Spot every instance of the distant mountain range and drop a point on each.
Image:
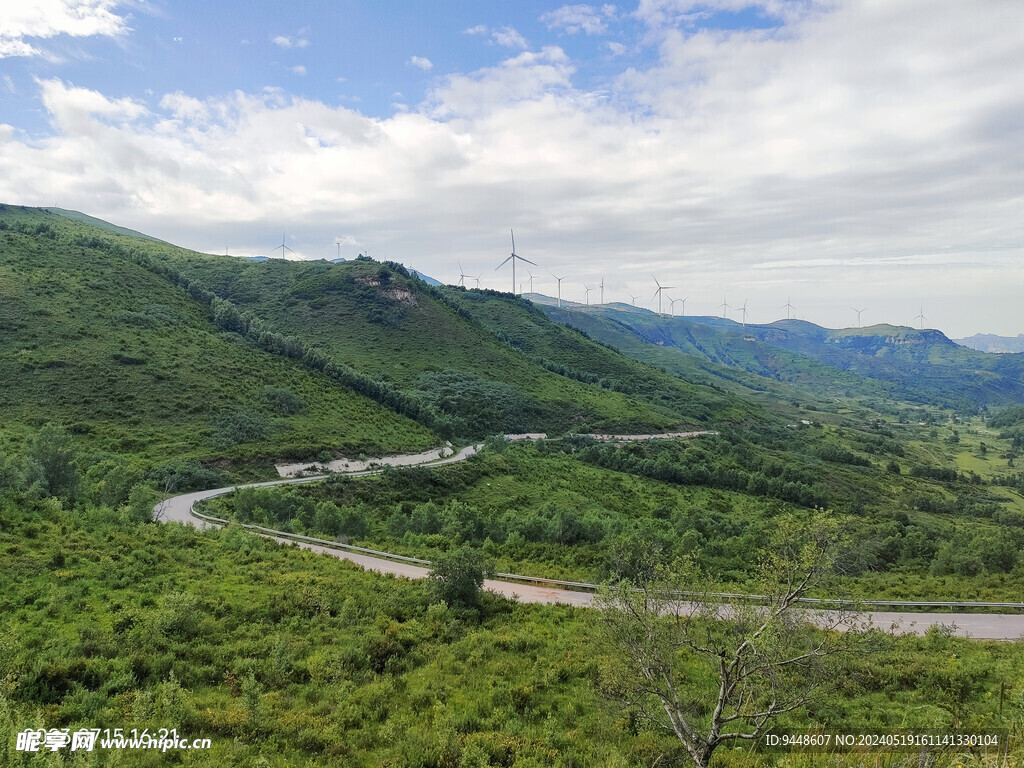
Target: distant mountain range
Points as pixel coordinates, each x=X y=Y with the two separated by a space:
x=880 y=360
x=989 y=342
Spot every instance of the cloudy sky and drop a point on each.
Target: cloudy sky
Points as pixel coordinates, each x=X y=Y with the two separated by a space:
x=836 y=153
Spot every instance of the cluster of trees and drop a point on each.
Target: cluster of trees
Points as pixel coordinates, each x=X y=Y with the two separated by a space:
x=475 y=405
x=665 y=462
x=48 y=466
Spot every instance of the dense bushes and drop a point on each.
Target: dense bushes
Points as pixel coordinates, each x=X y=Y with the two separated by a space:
x=475 y=405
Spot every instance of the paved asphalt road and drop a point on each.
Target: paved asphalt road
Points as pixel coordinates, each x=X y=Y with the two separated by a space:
x=981 y=626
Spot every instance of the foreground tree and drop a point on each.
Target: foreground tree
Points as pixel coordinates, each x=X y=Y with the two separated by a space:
x=457 y=577
x=711 y=669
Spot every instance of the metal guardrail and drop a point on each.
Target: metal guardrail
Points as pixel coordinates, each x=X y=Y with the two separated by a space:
x=586 y=586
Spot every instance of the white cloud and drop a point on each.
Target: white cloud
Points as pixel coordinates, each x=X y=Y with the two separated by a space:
x=669 y=13
x=299 y=70
x=286 y=41
x=579 y=18
x=421 y=62
x=868 y=151
x=42 y=19
x=509 y=37
x=615 y=49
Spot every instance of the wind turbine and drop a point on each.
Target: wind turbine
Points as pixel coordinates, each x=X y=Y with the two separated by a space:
x=462 y=276
x=743 y=309
x=658 y=292
x=477 y=281
x=631 y=296
x=602 y=289
x=787 y=306
x=282 y=248
x=513 y=258
x=672 y=303
x=531 y=280
x=559 y=279
x=858 y=311
x=588 y=289
x=921 y=317
x=725 y=308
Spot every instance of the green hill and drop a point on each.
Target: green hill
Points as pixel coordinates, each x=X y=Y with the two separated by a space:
x=142 y=347
x=878 y=361
x=486 y=358
x=133 y=364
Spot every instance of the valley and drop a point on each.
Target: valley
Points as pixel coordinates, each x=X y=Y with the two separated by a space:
x=135 y=372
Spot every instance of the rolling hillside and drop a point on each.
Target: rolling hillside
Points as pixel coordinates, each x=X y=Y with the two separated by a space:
x=133 y=364
x=458 y=349
x=881 y=360
x=259 y=359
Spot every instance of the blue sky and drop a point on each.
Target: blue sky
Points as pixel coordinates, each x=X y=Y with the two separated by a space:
x=839 y=152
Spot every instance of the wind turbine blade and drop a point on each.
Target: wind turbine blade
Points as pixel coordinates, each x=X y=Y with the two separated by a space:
x=506 y=261
x=655 y=280
x=513 y=240
x=526 y=260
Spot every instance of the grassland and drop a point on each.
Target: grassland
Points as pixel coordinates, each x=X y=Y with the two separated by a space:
x=593 y=513
x=131 y=364
x=148 y=353
x=282 y=657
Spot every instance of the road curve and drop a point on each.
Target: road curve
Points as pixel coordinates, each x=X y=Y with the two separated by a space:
x=980 y=626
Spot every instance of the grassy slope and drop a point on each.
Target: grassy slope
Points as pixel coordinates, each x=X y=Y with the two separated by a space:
x=133 y=364
x=875 y=361
x=528 y=329
x=402 y=330
x=285 y=658
x=700 y=352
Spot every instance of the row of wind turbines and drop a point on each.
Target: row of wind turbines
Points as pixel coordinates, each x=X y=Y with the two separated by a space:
x=659 y=292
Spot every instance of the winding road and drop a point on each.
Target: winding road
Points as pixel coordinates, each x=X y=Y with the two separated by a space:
x=980 y=626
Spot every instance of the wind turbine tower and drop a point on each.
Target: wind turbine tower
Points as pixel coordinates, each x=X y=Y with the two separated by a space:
x=858 y=311
x=559 y=281
x=602 y=290
x=513 y=258
x=282 y=247
x=658 y=292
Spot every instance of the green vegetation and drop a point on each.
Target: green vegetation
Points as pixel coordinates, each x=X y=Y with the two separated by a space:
x=880 y=360
x=134 y=369
x=580 y=510
x=381 y=321
x=131 y=364
x=282 y=657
